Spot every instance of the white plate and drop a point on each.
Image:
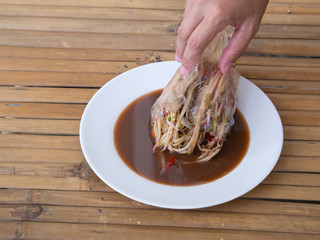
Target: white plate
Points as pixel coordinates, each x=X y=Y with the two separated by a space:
x=96 y=137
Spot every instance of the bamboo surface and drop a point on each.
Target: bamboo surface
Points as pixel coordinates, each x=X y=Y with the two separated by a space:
x=55 y=55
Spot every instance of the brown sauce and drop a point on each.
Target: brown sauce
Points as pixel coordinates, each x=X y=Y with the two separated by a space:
x=133 y=141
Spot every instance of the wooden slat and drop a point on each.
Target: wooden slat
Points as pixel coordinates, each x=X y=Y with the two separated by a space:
x=38 y=169
x=55 y=95
x=298 y=164
x=293 y=179
x=301 y=148
x=283 y=73
x=153 y=4
x=53 y=183
x=89 y=54
x=297 y=224
x=16 y=196
x=298 y=7
x=291 y=19
x=54 y=79
x=288 y=32
x=285 y=192
x=40 y=155
x=68 y=127
x=299 y=87
x=274 y=7
x=65 y=58
x=47 y=65
x=113 y=199
x=62 y=65
x=107 y=26
x=28 y=230
x=305 y=118
x=39 y=141
x=38 y=230
x=139 y=56
x=301 y=133
x=139 y=27
x=275 y=61
x=151 y=217
x=8 y=230
x=145 y=42
x=89 y=12
x=88 y=40
x=41 y=110
x=284 y=47
x=295 y=101
x=137 y=14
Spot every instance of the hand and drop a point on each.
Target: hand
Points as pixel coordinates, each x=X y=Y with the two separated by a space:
x=204 y=19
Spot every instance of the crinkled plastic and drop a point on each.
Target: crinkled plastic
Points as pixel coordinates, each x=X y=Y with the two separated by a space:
x=197 y=110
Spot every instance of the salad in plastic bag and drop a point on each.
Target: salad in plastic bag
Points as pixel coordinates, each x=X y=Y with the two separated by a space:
x=197 y=111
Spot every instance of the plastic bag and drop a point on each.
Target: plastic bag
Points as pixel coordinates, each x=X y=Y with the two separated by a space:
x=197 y=110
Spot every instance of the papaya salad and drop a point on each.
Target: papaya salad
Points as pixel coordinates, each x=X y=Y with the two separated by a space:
x=197 y=111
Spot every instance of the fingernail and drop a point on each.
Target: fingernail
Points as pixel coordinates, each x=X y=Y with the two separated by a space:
x=178 y=59
x=184 y=71
x=227 y=67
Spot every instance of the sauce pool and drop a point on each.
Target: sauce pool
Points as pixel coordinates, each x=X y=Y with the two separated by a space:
x=133 y=142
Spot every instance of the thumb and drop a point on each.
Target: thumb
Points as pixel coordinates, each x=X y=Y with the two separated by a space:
x=238 y=43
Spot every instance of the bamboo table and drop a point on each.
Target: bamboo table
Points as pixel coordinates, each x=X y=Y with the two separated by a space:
x=55 y=54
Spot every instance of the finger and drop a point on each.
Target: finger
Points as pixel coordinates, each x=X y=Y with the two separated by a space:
x=186 y=28
x=189 y=6
x=238 y=43
x=198 y=41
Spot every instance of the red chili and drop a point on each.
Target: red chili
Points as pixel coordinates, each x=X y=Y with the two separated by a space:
x=209 y=137
x=170 y=163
